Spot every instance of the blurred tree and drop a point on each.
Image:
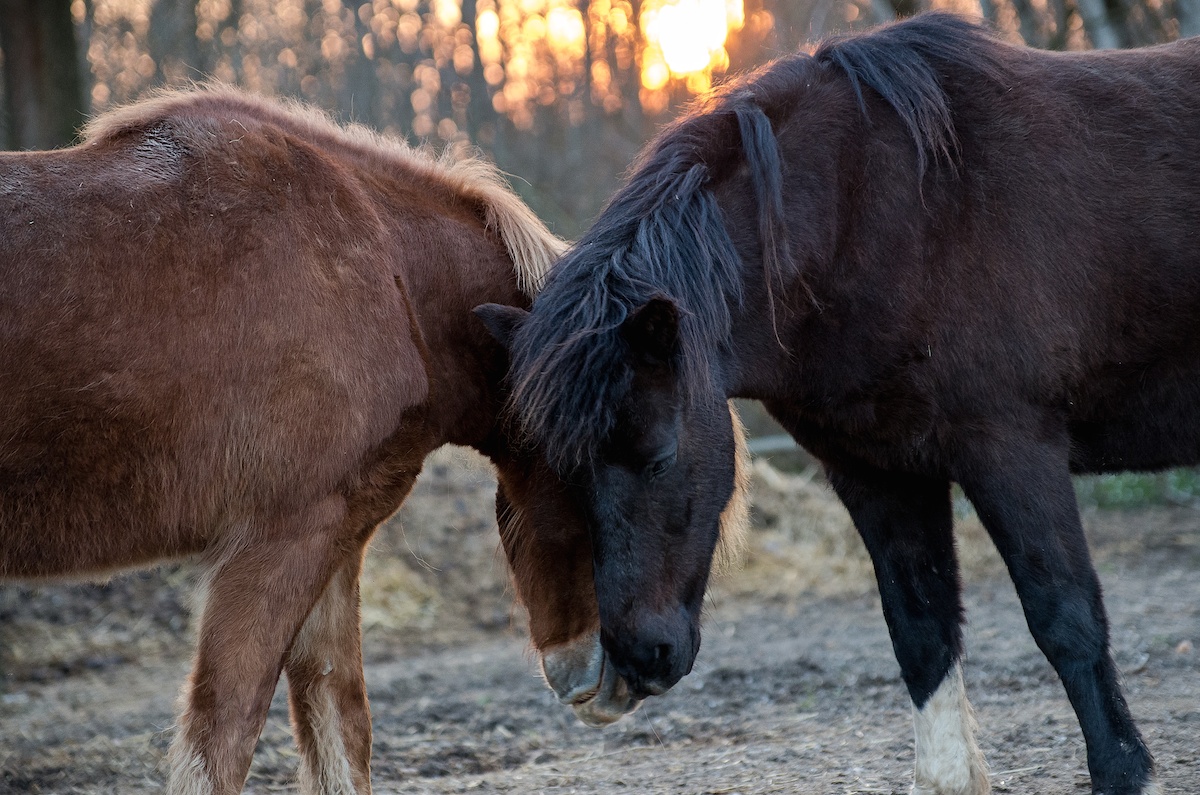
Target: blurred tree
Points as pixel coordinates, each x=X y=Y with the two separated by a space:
x=172 y=42
x=561 y=92
x=43 y=88
x=1187 y=12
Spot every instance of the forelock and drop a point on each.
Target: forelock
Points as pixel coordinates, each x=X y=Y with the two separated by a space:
x=663 y=235
x=569 y=359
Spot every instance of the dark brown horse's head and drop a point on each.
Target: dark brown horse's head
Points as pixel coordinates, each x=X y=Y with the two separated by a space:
x=621 y=372
x=612 y=554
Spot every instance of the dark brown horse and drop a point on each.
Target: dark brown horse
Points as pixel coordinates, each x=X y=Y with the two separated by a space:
x=233 y=330
x=936 y=258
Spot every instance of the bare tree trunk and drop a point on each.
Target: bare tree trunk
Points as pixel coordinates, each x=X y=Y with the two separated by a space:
x=172 y=42
x=906 y=8
x=1062 y=25
x=988 y=9
x=479 y=106
x=360 y=94
x=43 y=89
x=1100 y=29
x=883 y=10
x=1030 y=21
x=1188 y=12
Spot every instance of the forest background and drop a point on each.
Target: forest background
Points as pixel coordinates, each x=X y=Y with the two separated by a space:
x=560 y=93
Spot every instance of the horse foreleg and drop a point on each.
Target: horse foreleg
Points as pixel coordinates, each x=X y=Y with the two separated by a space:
x=906 y=524
x=259 y=594
x=1024 y=497
x=330 y=716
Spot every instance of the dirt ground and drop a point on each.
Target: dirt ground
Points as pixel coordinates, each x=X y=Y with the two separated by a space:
x=795 y=689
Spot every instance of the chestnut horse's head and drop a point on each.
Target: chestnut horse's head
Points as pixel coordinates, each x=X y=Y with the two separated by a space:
x=612 y=555
x=549 y=552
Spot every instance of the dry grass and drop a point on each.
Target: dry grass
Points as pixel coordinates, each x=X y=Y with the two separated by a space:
x=436 y=566
x=804 y=542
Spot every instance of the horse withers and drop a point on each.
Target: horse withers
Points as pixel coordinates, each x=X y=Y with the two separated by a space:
x=232 y=330
x=935 y=258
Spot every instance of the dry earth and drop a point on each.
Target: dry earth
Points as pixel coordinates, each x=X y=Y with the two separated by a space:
x=794 y=691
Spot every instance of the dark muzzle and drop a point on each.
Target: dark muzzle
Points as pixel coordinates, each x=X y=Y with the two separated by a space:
x=652 y=651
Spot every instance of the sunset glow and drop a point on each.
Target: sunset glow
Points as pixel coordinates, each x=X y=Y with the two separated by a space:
x=426 y=57
x=686 y=39
x=688 y=32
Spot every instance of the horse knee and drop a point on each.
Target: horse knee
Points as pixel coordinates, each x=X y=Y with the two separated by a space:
x=331 y=722
x=1070 y=629
x=211 y=751
x=187 y=773
x=328 y=768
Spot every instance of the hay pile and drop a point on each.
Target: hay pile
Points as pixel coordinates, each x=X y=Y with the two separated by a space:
x=804 y=542
x=436 y=568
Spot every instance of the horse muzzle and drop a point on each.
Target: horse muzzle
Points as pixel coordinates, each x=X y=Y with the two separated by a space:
x=584 y=678
x=654 y=653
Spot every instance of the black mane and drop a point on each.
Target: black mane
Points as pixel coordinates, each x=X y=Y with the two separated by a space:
x=904 y=64
x=664 y=234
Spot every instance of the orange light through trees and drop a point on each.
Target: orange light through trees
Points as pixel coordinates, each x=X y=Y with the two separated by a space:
x=686 y=39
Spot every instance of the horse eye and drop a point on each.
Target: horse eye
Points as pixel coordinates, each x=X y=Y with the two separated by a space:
x=661 y=465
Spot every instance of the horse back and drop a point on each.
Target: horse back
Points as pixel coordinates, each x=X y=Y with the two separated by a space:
x=200 y=323
x=1086 y=191
x=1052 y=264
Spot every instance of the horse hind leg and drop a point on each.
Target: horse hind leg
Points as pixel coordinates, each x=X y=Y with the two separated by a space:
x=259 y=595
x=331 y=719
x=906 y=524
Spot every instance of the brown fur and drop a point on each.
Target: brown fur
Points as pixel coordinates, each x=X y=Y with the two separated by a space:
x=232 y=329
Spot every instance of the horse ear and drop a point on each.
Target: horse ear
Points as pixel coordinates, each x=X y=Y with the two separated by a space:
x=653 y=329
x=502 y=321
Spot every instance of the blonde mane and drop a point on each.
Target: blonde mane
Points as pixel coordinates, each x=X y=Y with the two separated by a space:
x=532 y=247
x=460 y=170
x=735 y=518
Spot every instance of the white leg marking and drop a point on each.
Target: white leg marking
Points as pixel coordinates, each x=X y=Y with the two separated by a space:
x=329 y=773
x=948 y=760
x=187 y=774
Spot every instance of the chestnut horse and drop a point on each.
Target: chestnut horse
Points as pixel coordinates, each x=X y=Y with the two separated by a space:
x=234 y=330
x=935 y=258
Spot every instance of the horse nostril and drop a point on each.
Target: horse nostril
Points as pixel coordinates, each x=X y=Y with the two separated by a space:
x=662 y=652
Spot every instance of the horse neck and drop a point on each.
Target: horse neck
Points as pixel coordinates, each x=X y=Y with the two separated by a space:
x=779 y=305
x=445 y=264
x=759 y=351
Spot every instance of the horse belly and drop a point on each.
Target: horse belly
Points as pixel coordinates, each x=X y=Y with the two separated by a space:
x=1150 y=422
